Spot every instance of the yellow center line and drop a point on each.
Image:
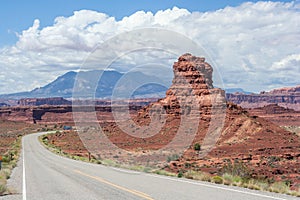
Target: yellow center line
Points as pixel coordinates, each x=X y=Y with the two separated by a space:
x=142 y=193
x=135 y=192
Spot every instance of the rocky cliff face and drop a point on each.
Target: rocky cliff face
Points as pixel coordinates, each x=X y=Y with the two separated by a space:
x=285 y=97
x=286 y=90
x=43 y=101
x=58 y=110
x=192 y=80
x=191 y=92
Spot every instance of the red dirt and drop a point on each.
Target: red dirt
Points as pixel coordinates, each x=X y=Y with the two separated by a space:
x=10 y=131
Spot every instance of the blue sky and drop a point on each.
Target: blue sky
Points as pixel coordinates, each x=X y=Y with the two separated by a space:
x=255 y=45
x=18 y=15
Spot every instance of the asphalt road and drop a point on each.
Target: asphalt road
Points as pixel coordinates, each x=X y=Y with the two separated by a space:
x=48 y=176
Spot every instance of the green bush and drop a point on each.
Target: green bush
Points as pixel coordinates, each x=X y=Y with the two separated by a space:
x=217 y=179
x=197 y=147
x=6 y=159
x=180 y=174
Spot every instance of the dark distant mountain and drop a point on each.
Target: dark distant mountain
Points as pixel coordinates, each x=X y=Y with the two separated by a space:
x=111 y=82
x=236 y=90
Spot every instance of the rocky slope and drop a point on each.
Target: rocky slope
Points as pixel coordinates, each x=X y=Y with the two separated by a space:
x=285 y=97
x=277 y=114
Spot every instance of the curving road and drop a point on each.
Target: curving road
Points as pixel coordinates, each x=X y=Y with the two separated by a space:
x=48 y=176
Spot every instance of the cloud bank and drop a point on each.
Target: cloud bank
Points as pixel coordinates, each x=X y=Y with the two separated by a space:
x=256 y=46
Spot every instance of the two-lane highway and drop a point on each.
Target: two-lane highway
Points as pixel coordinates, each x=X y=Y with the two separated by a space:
x=48 y=176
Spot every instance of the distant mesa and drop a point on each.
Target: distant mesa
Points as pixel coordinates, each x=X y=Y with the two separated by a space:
x=43 y=101
x=288 y=97
x=236 y=90
x=285 y=90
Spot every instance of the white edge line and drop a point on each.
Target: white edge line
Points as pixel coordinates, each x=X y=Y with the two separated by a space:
x=24 y=175
x=218 y=187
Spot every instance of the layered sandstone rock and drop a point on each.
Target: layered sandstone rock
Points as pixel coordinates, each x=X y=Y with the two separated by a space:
x=285 y=97
x=191 y=90
x=43 y=101
x=50 y=114
x=192 y=79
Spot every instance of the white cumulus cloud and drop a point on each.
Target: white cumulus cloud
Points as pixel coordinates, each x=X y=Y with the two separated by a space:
x=255 y=46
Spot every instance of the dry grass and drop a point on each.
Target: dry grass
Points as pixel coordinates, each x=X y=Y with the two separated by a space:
x=196 y=175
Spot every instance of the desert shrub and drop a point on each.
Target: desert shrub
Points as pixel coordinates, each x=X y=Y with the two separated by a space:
x=229 y=179
x=173 y=157
x=108 y=162
x=136 y=168
x=163 y=172
x=6 y=159
x=294 y=193
x=263 y=185
x=45 y=139
x=237 y=168
x=279 y=187
x=253 y=184
x=273 y=159
x=187 y=165
x=98 y=162
x=197 y=175
x=217 y=179
x=197 y=147
x=2 y=189
x=180 y=174
x=6 y=173
x=147 y=169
